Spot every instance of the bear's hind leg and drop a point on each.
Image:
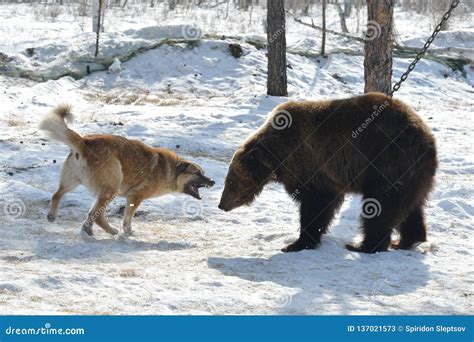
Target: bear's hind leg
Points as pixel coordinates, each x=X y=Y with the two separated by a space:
x=380 y=214
x=317 y=210
x=412 y=229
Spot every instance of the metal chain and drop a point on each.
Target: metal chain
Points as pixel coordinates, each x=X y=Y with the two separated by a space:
x=420 y=54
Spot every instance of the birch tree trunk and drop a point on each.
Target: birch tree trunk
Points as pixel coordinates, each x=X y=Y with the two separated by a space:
x=276 y=78
x=378 y=46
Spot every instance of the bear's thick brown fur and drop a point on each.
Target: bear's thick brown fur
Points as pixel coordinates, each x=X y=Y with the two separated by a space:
x=320 y=150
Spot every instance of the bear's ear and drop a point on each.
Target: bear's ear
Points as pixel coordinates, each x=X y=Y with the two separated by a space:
x=253 y=161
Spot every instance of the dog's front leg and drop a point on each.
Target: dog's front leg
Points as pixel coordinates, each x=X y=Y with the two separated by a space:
x=132 y=204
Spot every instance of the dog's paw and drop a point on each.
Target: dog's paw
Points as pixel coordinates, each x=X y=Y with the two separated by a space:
x=112 y=231
x=51 y=217
x=126 y=239
x=86 y=236
x=87 y=229
x=127 y=231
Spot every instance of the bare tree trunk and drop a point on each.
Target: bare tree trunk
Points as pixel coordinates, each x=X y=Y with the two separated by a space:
x=420 y=8
x=437 y=9
x=342 y=18
x=347 y=8
x=97 y=16
x=358 y=6
x=172 y=5
x=250 y=14
x=276 y=78
x=378 y=46
x=244 y=4
x=323 y=39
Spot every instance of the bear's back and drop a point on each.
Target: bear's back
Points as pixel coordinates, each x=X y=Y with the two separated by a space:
x=347 y=138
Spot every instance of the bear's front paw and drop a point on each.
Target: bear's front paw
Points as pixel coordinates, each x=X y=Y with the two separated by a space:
x=298 y=246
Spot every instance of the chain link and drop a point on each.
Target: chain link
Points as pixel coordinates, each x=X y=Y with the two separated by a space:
x=420 y=54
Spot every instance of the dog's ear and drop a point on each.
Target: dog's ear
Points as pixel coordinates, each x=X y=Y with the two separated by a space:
x=182 y=166
x=254 y=161
x=188 y=167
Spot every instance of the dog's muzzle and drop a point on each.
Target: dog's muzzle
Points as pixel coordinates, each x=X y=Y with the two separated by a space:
x=192 y=188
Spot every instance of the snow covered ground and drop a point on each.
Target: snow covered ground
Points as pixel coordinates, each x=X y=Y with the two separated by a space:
x=188 y=257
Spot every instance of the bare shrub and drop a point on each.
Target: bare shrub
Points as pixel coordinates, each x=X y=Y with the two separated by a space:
x=48 y=12
x=53 y=12
x=83 y=10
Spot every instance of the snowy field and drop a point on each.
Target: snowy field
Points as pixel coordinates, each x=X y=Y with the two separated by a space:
x=188 y=257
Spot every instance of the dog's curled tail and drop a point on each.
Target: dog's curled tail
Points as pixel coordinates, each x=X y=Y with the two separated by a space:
x=55 y=125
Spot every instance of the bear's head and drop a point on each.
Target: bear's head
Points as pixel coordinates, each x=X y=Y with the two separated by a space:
x=248 y=173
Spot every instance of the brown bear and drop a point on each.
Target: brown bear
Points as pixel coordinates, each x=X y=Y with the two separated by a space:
x=321 y=150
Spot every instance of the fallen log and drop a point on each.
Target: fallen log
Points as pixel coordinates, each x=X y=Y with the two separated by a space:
x=403 y=51
x=87 y=65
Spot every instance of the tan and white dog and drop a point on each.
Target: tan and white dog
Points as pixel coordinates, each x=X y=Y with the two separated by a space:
x=110 y=166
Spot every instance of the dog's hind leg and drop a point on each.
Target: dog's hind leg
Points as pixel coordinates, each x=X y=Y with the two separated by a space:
x=67 y=183
x=101 y=219
x=97 y=214
x=106 y=182
x=132 y=205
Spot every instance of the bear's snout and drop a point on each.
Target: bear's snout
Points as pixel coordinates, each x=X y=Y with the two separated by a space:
x=221 y=206
x=226 y=202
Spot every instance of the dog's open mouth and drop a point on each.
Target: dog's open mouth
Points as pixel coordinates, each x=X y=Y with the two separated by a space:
x=193 y=188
